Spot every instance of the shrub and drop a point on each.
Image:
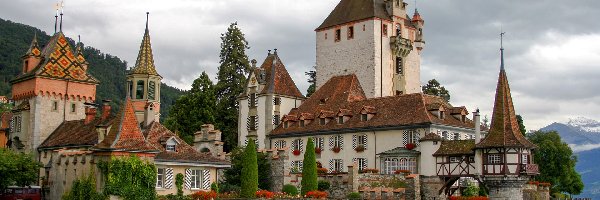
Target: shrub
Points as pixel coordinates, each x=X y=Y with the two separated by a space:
x=249 y=171
x=309 y=169
x=264 y=194
x=316 y=194
x=214 y=187
x=229 y=188
x=204 y=195
x=324 y=185
x=354 y=195
x=129 y=178
x=179 y=184
x=322 y=170
x=84 y=188
x=290 y=189
x=228 y=195
x=470 y=191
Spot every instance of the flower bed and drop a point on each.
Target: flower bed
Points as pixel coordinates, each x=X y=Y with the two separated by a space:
x=316 y=194
x=204 y=195
x=402 y=171
x=264 y=194
x=468 y=198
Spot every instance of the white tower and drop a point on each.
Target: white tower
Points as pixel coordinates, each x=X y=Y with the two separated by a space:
x=377 y=41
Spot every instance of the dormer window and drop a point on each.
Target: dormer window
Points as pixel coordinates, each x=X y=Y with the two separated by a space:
x=364 y=117
x=340 y=119
x=441 y=114
x=322 y=121
x=171 y=144
x=170 y=147
x=286 y=124
x=302 y=123
x=463 y=118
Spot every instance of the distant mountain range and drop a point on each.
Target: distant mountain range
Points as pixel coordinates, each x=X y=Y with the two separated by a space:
x=583 y=135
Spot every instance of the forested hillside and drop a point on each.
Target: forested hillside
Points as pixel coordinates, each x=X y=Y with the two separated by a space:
x=110 y=70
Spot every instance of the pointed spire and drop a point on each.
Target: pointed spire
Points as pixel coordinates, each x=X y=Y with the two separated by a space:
x=145 y=60
x=504 y=128
x=502 y=51
x=34 y=49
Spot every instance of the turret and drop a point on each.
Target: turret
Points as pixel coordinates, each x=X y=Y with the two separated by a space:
x=418 y=23
x=33 y=56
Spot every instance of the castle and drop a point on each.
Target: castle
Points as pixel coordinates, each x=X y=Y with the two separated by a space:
x=368 y=109
x=56 y=118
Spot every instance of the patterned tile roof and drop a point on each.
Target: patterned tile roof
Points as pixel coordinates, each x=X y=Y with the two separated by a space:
x=34 y=48
x=277 y=78
x=344 y=95
x=157 y=135
x=145 y=60
x=354 y=10
x=126 y=134
x=59 y=62
x=456 y=147
x=504 y=129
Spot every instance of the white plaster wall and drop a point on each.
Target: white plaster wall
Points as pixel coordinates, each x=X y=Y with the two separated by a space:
x=45 y=120
x=181 y=170
x=243 y=116
x=262 y=117
x=427 y=163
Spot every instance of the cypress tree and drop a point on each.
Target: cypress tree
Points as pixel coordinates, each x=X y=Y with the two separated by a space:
x=249 y=171
x=309 y=169
x=233 y=70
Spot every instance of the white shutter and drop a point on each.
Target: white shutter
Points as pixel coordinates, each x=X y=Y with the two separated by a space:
x=365 y=141
x=206 y=179
x=168 y=178
x=354 y=141
x=187 y=179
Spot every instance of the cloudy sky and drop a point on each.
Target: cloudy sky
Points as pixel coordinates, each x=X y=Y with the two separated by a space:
x=552 y=47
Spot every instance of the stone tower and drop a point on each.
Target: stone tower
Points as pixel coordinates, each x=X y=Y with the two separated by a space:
x=270 y=93
x=377 y=41
x=143 y=83
x=507 y=162
x=53 y=86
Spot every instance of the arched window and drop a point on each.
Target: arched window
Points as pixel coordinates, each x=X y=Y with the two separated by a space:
x=399 y=65
x=412 y=165
x=152 y=90
x=403 y=164
x=139 y=93
x=130 y=89
x=390 y=165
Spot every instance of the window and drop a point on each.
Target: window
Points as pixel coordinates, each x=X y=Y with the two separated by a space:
x=364 y=117
x=54 y=105
x=160 y=177
x=252 y=123
x=139 y=92
x=364 y=27
x=319 y=143
x=252 y=103
x=296 y=166
x=280 y=144
x=277 y=101
x=286 y=124
x=322 y=121
x=494 y=159
x=361 y=163
x=399 y=65
x=340 y=119
x=398 y=30
x=410 y=136
x=130 y=89
x=336 y=141
x=336 y=165
x=73 y=107
x=455 y=159
x=195 y=179
x=350 y=32
x=338 y=33
x=472 y=159
x=18 y=122
x=301 y=123
x=525 y=159
x=170 y=147
x=276 y=120
x=362 y=140
x=297 y=144
x=152 y=90
x=384 y=30
x=390 y=165
x=456 y=136
x=325 y=35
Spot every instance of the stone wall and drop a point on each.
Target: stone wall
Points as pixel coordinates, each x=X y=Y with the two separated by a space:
x=536 y=192
x=430 y=187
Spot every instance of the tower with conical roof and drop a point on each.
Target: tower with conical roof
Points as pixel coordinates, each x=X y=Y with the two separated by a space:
x=377 y=41
x=143 y=83
x=52 y=87
x=507 y=162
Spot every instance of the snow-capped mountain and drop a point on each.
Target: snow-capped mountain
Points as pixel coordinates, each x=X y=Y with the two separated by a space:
x=577 y=131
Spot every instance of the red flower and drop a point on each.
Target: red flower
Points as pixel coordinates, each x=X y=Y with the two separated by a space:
x=264 y=194
x=318 y=150
x=322 y=170
x=204 y=195
x=360 y=148
x=410 y=146
x=296 y=152
x=336 y=149
x=316 y=194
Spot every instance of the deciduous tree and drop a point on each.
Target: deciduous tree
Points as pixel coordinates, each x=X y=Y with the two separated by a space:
x=17 y=169
x=312 y=79
x=434 y=87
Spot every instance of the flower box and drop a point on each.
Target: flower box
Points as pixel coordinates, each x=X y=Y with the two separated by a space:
x=322 y=170
x=336 y=149
x=296 y=152
x=318 y=150
x=410 y=146
x=360 y=148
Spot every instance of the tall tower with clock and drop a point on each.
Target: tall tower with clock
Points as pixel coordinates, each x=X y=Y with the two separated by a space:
x=143 y=83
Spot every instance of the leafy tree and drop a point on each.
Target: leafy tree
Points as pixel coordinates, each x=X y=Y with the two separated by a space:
x=249 y=176
x=433 y=87
x=312 y=79
x=179 y=184
x=84 y=189
x=17 y=169
x=470 y=191
x=521 y=125
x=309 y=169
x=556 y=163
x=231 y=78
x=129 y=177
x=5 y=107
x=233 y=175
x=192 y=110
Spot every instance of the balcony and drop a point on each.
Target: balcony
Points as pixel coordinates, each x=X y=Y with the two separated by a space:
x=530 y=169
x=401 y=47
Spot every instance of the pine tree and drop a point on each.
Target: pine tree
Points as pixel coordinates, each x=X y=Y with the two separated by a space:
x=193 y=109
x=309 y=169
x=249 y=176
x=231 y=77
x=434 y=87
x=312 y=79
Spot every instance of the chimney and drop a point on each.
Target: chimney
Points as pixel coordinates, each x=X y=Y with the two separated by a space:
x=90 y=114
x=477 y=126
x=149 y=115
x=105 y=109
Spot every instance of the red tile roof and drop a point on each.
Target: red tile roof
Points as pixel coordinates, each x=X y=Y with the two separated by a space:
x=504 y=128
x=344 y=93
x=157 y=135
x=75 y=133
x=126 y=134
x=456 y=147
x=277 y=79
x=354 y=10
